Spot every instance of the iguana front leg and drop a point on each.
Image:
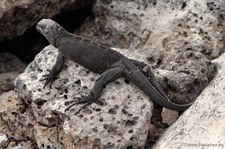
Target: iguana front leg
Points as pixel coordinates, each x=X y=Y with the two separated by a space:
x=105 y=78
x=57 y=68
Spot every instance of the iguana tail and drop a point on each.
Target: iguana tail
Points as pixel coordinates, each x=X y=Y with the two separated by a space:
x=151 y=87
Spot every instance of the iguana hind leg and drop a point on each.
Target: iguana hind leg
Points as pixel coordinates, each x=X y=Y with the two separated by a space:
x=105 y=78
x=146 y=70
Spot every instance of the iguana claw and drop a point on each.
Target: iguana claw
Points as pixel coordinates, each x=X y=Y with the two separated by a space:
x=86 y=100
x=48 y=80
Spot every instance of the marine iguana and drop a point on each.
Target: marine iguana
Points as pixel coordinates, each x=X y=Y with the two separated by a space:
x=102 y=60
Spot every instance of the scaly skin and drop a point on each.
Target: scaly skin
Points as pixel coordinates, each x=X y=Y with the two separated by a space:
x=103 y=60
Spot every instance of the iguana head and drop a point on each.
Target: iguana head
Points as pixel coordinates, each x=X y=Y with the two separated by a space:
x=50 y=29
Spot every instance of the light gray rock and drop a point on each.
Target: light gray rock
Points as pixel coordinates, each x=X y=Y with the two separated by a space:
x=3 y=140
x=159 y=25
x=21 y=130
x=169 y=116
x=47 y=137
x=180 y=37
x=7 y=81
x=21 y=145
x=122 y=121
x=202 y=125
x=17 y=16
x=17 y=119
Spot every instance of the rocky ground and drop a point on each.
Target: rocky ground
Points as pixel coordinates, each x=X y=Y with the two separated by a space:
x=182 y=40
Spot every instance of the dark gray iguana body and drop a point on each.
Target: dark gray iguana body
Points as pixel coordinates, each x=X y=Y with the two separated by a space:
x=103 y=60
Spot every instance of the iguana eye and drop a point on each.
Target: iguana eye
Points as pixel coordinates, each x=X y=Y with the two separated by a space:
x=59 y=28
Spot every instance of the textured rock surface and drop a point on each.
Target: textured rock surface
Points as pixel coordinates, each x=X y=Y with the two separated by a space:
x=3 y=140
x=7 y=81
x=160 y=25
x=19 y=128
x=122 y=121
x=169 y=116
x=177 y=36
x=9 y=62
x=202 y=125
x=16 y=120
x=17 y=16
x=21 y=145
x=10 y=68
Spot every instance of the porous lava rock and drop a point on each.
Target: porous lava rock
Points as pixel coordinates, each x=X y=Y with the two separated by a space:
x=122 y=121
x=202 y=125
x=180 y=37
x=17 y=16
